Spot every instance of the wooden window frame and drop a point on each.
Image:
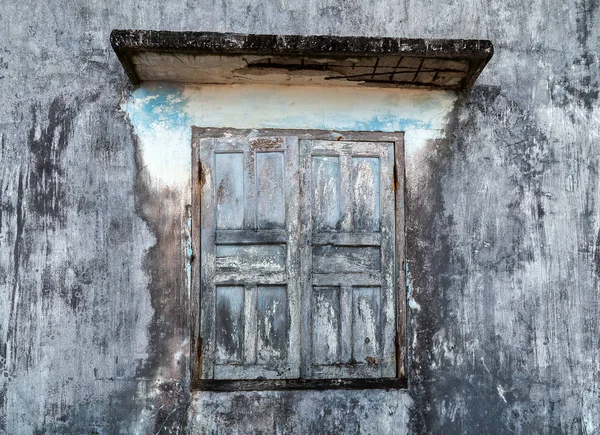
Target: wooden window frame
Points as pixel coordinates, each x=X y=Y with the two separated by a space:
x=397 y=382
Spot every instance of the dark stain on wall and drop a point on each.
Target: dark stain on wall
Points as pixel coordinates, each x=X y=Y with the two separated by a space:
x=428 y=256
x=465 y=250
x=585 y=19
x=17 y=260
x=164 y=263
x=580 y=87
x=503 y=236
x=579 y=82
x=47 y=141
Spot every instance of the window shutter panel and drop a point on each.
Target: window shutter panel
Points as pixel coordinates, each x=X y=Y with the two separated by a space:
x=250 y=301
x=348 y=259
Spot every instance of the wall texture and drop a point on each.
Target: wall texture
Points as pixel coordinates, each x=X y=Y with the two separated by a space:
x=503 y=229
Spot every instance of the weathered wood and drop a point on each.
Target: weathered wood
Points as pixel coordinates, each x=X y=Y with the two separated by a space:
x=294 y=298
x=305 y=251
x=270 y=195
x=251 y=237
x=326 y=325
x=249 y=176
x=346 y=324
x=229 y=324
x=299 y=384
x=399 y=177
x=257 y=181
x=207 y=289
x=249 y=259
x=365 y=186
x=347 y=239
x=229 y=190
x=346 y=279
x=194 y=264
x=338 y=259
x=235 y=278
x=362 y=239
x=250 y=323
x=326 y=193
x=389 y=285
x=273 y=325
x=252 y=371
x=366 y=325
x=346 y=194
x=349 y=371
x=298 y=134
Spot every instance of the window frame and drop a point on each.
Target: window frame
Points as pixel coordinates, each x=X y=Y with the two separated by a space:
x=400 y=380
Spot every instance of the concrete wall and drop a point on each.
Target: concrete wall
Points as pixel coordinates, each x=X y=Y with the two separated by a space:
x=503 y=229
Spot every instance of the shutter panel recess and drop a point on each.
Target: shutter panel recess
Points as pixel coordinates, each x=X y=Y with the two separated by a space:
x=348 y=259
x=250 y=301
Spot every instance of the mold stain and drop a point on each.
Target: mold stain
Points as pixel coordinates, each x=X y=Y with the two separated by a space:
x=48 y=138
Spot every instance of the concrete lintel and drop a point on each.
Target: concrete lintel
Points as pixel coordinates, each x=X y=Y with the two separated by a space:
x=230 y=58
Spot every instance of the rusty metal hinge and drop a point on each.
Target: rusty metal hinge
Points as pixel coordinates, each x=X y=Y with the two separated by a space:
x=199 y=348
x=201 y=179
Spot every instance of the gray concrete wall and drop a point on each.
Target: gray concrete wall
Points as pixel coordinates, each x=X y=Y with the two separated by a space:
x=503 y=231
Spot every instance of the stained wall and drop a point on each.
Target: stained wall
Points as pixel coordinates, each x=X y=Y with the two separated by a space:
x=502 y=221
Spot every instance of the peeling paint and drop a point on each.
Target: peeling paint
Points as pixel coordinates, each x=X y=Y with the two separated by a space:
x=502 y=221
x=164 y=129
x=162 y=116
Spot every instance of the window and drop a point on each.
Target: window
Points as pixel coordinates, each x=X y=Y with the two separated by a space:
x=300 y=278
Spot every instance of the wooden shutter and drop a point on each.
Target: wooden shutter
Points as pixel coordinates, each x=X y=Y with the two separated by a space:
x=249 y=290
x=347 y=251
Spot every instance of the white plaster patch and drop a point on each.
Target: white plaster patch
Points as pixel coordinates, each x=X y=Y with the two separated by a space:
x=364 y=109
x=166 y=154
x=162 y=115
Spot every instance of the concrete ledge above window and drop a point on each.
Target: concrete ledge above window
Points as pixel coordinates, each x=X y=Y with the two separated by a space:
x=230 y=58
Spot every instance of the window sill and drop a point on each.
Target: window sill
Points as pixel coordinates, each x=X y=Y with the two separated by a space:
x=298 y=384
